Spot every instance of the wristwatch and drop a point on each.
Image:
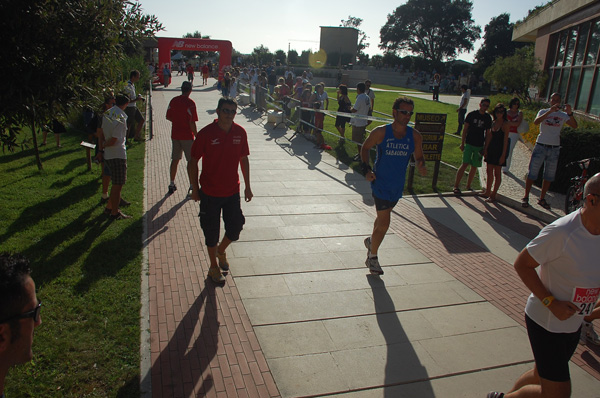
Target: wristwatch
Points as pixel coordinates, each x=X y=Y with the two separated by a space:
x=547 y=301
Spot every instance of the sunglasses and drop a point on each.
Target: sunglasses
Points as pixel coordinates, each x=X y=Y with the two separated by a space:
x=407 y=113
x=35 y=314
x=229 y=111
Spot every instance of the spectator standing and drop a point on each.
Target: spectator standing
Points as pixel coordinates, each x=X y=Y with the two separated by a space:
x=495 y=152
x=190 y=73
x=135 y=120
x=344 y=105
x=514 y=117
x=462 y=108
x=435 y=85
x=183 y=117
x=322 y=96
x=477 y=125
x=272 y=80
x=205 y=74
x=223 y=148
x=114 y=127
x=371 y=94
x=361 y=107
x=547 y=146
x=166 y=75
x=19 y=313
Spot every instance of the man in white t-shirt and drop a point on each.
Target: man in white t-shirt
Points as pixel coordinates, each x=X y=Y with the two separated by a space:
x=462 y=107
x=371 y=95
x=114 y=128
x=547 y=146
x=361 y=107
x=560 y=267
x=135 y=120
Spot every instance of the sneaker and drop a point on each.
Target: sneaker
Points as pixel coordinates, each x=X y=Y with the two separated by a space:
x=325 y=147
x=495 y=394
x=368 y=245
x=216 y=275
x=124 y=203
x=589 y=334
x=103 y=200
x=223 y=263
x=172 y=188
x=373 y=264
x=356 y=157
x=189 y=194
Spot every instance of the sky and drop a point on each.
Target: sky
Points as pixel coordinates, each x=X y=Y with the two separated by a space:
x=279 y=25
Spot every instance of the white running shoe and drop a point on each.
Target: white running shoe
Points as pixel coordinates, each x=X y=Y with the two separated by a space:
x=373 y=264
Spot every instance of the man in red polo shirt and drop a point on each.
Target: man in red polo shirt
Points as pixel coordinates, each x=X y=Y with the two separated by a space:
x=183 y=116
x=223 y=147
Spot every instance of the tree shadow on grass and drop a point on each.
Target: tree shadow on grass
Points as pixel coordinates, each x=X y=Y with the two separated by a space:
x=51 y=256
x=32 y=215
x=106 y=259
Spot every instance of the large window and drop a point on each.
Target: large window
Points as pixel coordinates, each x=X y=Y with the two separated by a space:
x=573 y=71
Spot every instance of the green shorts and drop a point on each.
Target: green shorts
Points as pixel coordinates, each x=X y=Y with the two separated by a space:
x=473 y=155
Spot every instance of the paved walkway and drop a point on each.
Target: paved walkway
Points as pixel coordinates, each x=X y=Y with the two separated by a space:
x=301 y=316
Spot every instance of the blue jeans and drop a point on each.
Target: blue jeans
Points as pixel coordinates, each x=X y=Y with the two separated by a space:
x=548 y=156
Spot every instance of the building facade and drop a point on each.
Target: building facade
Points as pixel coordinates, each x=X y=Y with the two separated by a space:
x=566 y=34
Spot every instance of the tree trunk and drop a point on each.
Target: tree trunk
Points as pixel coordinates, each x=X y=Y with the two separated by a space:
x=35 y=145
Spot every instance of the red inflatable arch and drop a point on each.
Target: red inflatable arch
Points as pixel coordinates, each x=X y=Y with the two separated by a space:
x=166 y=44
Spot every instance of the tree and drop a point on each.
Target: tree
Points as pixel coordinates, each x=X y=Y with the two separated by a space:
x=497 y=42
x=195 y=35
x=438 y=30
x=304 y=57
x=354 y=22
x=66 y=53
x=280 y=55
x=517 y=72
x=292 y=57
x=261 y=55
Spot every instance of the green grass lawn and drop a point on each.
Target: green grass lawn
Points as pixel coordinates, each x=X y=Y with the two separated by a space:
x=86 y=268
x=384 y=100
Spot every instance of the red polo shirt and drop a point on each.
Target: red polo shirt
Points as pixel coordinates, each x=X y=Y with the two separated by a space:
x=221 y=152
x=182 y=111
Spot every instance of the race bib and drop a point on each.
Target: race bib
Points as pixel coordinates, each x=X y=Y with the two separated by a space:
x=585 y=298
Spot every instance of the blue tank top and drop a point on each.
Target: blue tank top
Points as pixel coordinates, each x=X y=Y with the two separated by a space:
x=391 y=163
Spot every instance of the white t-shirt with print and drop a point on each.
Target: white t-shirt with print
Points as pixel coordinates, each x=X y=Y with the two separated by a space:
x=551 y=126
x=362 y=106
x=569 y=268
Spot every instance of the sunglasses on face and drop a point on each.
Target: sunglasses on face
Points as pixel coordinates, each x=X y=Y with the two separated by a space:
x=229 y=111
x=35 y=314
x=406 y=113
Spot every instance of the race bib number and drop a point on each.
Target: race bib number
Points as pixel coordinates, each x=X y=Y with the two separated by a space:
x=585 y=298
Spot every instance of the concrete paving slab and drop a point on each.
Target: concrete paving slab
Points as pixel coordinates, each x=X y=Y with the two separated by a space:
x=285 y=309
x=308 y=375
x=470 y=385
x=263 y=286
x=286 y=247
x=256 y=222
x=415 y=274
x=327 y=219
x=295 y=339
x=285 y=263
x=492 y=236
x=330 y=230
x=397 y=298
x=405 y=255
x=349 y=243
x=479 y=350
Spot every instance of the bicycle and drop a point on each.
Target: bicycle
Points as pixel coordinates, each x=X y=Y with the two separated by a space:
x=574 y=197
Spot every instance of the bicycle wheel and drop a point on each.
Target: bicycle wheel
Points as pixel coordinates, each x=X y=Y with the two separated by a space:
x=571 y=200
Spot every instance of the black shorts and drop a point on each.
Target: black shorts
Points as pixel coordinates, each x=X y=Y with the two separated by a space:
x=552 y=351
x=382 y=204
x=210 y=217
x=340 y=121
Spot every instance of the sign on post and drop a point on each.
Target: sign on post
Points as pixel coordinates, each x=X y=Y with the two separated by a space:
x=432 y=127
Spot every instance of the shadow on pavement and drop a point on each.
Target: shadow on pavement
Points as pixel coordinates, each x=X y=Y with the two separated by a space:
x=402 y=364
x=189 y=351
